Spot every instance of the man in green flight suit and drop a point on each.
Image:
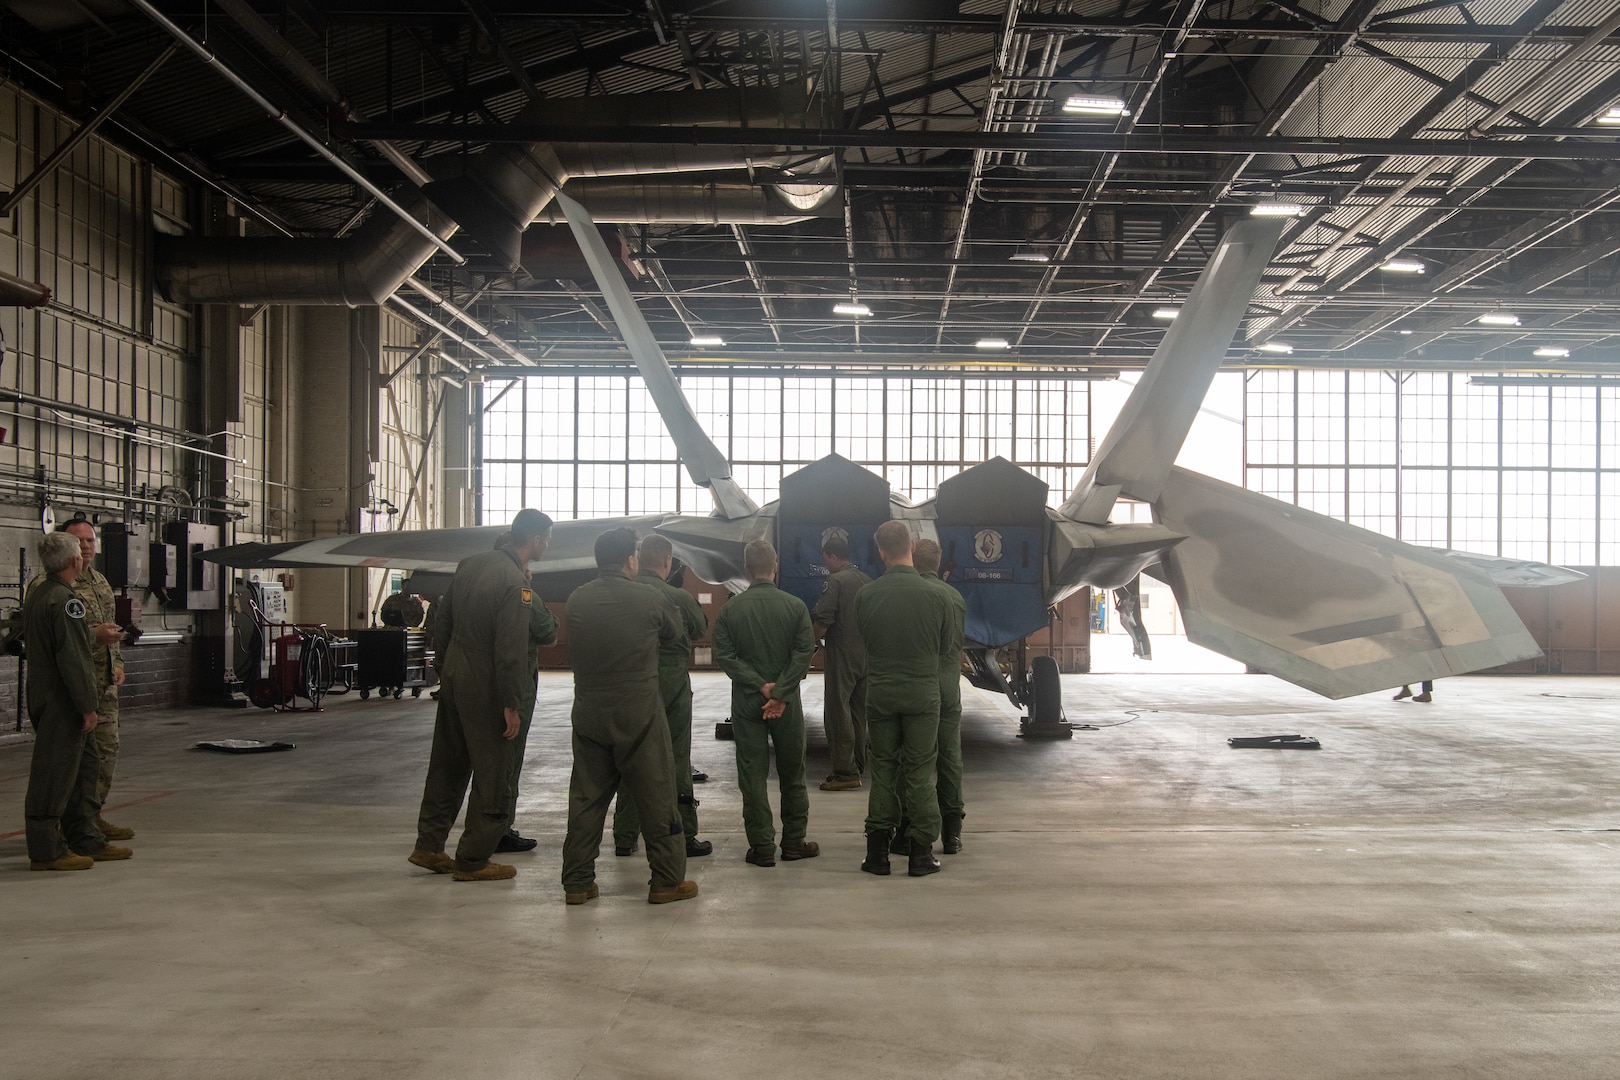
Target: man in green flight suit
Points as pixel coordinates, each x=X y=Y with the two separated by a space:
x=844 y=698
x=615 y=627
x=101 y=616
x=656 y=558
x=905 y=624
x=59 y=809
x=542 y=631
x=486 y=684
x=948 y=786
x=763 y=641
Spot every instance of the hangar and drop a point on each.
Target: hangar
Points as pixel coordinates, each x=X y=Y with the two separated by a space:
x=278 y=272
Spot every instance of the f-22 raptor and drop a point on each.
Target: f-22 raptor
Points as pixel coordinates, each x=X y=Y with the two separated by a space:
x=1328 y=606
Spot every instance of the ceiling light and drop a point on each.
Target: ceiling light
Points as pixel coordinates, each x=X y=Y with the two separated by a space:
x=1404 y=266
x=1498 y=318
x=1029 y=257
x=1610 y=117
x=1552 y=352
x=1276 y=209
x=1276 y=347
x=709 y=341
x=851 y=307
x=992 y=343
x=1165 y=313
x=1405 y=333
x=1095 y=106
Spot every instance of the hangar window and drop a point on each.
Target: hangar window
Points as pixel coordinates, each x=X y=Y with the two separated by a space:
x=1436 y=458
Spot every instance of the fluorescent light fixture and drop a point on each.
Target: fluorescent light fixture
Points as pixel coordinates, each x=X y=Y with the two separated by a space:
x=1090 y=105
x=1498 y=318
x=1404 y=266
x=1029 y=257
x=1552 y=352
x=1276 y=347
x=1276 y=209
x=708 y=341
x=1406 y=333
x=992 y=343
x=1610 y=117
x=1165 y=313
x=851 y=307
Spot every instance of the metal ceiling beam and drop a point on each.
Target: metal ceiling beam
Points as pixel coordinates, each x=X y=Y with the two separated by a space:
x=1605 y=147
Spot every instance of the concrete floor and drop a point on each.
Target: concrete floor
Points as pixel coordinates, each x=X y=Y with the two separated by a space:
x=1435 y=893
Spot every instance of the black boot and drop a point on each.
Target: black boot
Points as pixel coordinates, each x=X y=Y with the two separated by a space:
x=923 y=862
x=877 y=852
x=950 y=834
x=901 y=845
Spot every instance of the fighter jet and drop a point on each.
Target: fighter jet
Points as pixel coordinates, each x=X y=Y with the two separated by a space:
x=1327 y=606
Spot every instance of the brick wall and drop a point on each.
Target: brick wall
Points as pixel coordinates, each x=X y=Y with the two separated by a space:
x=155 y=677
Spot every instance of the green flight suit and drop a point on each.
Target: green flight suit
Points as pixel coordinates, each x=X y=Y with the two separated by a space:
x=675 y=687
x=60 y=807
x=484 y=624
x=906 y=625
x=615 y=626
x=542 y=631
x=844 y=662
x=948 y=786
x=763 y=635
x=100 y=607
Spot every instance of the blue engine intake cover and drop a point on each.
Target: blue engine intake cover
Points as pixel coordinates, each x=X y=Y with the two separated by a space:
x=997 y=569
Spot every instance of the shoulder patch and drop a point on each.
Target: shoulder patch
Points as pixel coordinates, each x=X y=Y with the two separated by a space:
x=74 y=608
x=528 y=597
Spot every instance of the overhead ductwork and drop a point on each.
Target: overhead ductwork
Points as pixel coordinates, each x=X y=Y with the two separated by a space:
x=662 y=201
x=504 y=190
x=20 y=292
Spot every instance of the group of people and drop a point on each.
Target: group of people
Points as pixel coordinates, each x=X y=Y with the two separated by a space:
x=893 y=665
x=72 y=637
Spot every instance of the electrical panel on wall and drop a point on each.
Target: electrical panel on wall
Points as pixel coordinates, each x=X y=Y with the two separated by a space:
x=125 y=548
x=196 y=583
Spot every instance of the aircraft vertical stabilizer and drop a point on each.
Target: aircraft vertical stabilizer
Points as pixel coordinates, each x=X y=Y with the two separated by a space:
x=705 y=464
x=1141 y=447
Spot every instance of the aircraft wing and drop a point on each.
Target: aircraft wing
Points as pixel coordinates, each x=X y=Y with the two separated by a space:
x=709 y=545
x=1324 y=605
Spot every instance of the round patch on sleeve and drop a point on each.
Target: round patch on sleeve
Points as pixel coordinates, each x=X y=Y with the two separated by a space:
x=74 y=608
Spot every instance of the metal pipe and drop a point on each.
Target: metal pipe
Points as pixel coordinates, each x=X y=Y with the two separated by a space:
x=279 y=115
x=84 y=131
x=1073 y=142
x=20 y=292
x=20 y=398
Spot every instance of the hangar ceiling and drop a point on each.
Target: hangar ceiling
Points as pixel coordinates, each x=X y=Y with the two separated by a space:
x=766 y=159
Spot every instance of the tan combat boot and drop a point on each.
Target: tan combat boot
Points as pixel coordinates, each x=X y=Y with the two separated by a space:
x=436 y=861
x=488 y=872
x=114 y=832
x=69 y=861
x=110 y=853
x=684 y=891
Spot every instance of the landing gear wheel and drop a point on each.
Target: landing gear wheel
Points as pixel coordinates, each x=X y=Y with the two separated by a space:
x=1045 y=703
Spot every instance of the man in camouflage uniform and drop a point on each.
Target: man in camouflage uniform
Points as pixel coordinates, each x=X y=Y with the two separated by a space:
x=948 y=785
x=60 y=806
x=486 y=683
x=101 y=617
x=905 y=623
x=615 y=626
x=844 y=699
x=656 y=558
x=763 y=642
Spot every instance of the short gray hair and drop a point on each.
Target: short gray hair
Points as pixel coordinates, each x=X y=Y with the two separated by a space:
x=58 y=551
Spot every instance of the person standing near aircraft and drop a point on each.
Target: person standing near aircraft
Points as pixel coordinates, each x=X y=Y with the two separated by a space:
x=948 y=785
x=844 y=704
x=905 y=624
x=60 y=808
x=763 y=642
x=615 y=626
x=656 y=558
x=486 y=685
x=542 y=631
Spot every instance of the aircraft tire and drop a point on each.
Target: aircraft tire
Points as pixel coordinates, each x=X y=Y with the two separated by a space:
x=1046 y=701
